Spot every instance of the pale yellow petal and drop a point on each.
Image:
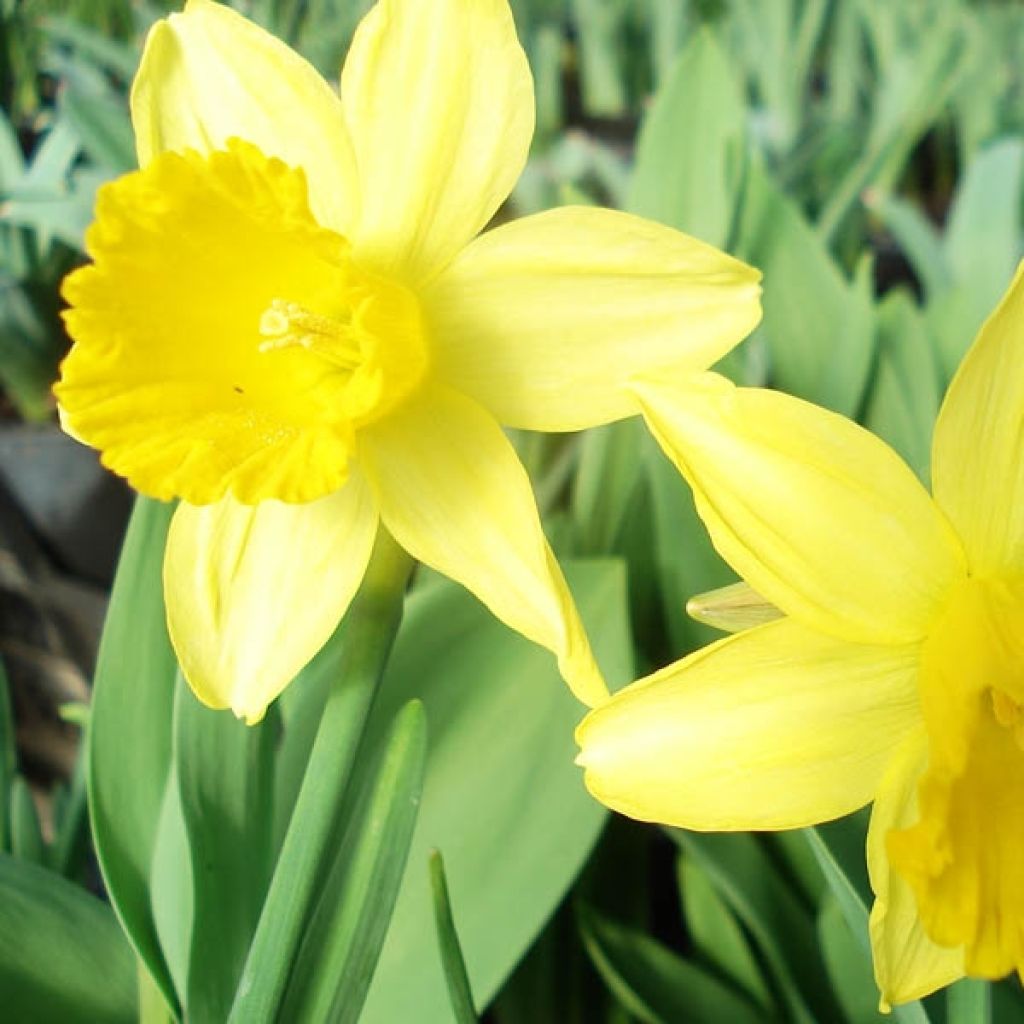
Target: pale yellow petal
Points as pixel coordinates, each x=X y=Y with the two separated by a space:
x=544 y=320
x=778 y=727
x=908 y=964
x=254 y=591
x=978 y=448
x=818 y=515
x=453 y=493
x=439 y=102
x=208 y=75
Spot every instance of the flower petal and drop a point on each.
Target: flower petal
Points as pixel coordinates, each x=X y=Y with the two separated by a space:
x=778 y=727
x=818 y=515
x=439 y=102
x=543 y=320
x=208 y=75
x=254 y=591
x=452 y=492
x=978 y=447
x=908 y=964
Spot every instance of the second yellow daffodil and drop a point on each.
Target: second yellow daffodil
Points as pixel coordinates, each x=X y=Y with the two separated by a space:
x=896 y=673
x=288 y=325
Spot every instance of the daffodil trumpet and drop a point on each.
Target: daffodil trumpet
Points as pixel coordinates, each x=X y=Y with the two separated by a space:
x=895 y=674
x=290 y=325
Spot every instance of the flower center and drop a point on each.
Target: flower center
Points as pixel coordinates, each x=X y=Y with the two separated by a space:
x=286 y=323
x=964 y=858
x=225 y=342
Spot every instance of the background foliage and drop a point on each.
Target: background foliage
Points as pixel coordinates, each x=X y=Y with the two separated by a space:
x=868 y=157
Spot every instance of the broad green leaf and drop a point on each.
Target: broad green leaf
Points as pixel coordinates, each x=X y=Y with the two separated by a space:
x=689 y=150
x=117 y=57
x=346 y=930
x=656 y=985
x=904 y=399
x=502 y=796
x=101 y=121
x=448 y=940
x=818 y=326
x=771 y=911
x=130 y=732
x=171 y=890
x=839 y=849
x=224 y=772
x=716 y=934
x=969 y=1001
x=62 y=956
x=982 y=246
x=848 y=967
x=608 y=473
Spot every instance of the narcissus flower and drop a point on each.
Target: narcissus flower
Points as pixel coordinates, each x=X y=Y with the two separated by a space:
x=288 y=325
x=896 y=673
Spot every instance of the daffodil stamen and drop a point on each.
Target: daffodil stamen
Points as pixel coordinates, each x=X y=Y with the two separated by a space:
x=286 y=324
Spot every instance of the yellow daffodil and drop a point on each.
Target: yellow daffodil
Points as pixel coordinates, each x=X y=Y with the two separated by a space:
x=289 y=326
x=895 y=672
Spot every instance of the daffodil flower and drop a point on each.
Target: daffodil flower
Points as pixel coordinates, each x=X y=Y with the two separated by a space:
x=288 y=325
x=894 y=674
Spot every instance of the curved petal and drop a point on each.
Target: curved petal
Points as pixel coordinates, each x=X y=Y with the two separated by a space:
x=978 y=447
x=254 y=591
x=208 y=75
x=778 y=727
x=439 y=102
x=818 y=515
x=543 y=320
x=452 y=492
x=908 y=964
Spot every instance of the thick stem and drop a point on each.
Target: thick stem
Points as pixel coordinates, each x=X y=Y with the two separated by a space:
x=370 y=628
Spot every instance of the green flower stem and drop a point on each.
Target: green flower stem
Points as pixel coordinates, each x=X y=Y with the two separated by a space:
x=370 y=628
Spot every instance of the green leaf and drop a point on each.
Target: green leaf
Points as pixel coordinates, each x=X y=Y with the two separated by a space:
x=26 y=834
x=342 y=943
x=982 y=246
x=118 y=57
x=130 y=732
x=369 y=630
x=716 y=934
x=819 y=327
x=605 y=481
x=655 y=984
x=772 y=912
x=904 y=399
x=224 y=773
x=502 y=797
x=451 y=953
x=103 y=125
x=969 y=1001
x=8 y=759
x=848 y=968
x=62 y=955
x=839 y=848
x=689 y=151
